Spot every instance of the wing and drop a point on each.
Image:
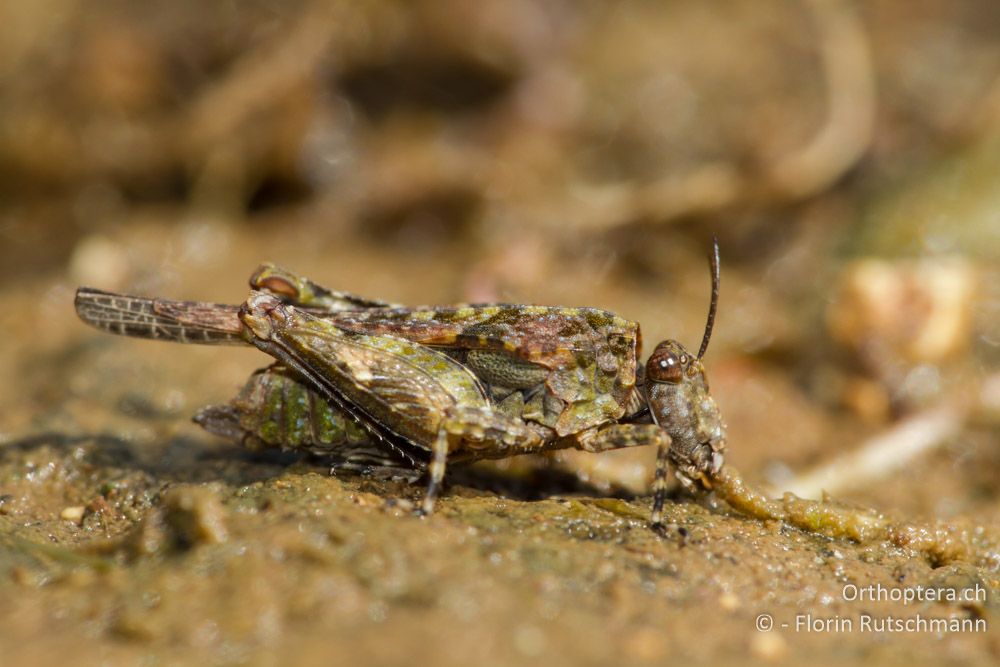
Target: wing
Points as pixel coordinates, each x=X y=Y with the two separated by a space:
x=160 y=319
x=396 y=388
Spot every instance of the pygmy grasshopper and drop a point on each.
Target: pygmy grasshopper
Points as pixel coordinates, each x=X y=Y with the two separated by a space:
x=438 y=385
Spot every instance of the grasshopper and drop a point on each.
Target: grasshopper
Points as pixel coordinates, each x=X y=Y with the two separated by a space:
x=439 y=385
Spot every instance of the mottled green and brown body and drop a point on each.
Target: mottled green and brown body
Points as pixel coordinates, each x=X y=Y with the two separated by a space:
x=274 y=410
x=451 y=383
x=583 y=359
x=415 y=401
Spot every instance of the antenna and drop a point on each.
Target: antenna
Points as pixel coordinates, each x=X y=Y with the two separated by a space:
x=713 y=262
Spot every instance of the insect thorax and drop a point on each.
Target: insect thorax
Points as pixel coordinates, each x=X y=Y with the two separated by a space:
x=583 y=358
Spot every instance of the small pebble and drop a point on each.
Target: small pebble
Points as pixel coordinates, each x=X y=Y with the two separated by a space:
x=74 y=514
x=195 y=516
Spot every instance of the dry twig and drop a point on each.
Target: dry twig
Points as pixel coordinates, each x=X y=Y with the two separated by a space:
x=882 y=455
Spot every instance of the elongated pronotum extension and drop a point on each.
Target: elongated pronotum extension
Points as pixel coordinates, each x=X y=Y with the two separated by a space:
x=160 y=319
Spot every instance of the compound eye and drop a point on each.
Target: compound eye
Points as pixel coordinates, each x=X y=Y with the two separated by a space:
x=665 y=366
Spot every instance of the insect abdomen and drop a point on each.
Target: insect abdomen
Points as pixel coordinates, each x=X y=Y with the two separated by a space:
x=275 y=410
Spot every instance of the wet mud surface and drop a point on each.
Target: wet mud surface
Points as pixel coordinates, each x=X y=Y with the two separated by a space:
x=130 y=535
x=573 y=154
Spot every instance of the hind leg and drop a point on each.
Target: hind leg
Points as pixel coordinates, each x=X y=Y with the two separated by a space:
x=300 y=291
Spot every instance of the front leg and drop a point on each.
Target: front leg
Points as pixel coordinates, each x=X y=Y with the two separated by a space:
x=619 y=436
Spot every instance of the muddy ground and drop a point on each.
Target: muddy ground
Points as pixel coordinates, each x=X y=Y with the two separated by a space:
x=169 y=153
x=130 y=535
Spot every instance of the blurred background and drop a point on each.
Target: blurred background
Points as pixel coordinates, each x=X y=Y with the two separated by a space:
x=845 y=154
